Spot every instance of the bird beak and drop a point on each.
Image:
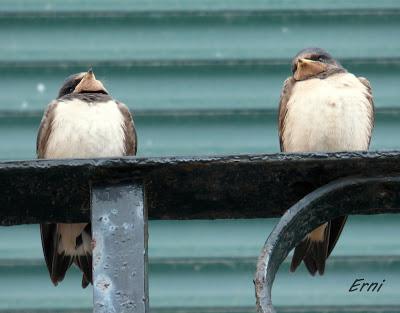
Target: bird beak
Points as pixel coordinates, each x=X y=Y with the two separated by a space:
x=90 y=74
x=308 y=68
x=89 y=83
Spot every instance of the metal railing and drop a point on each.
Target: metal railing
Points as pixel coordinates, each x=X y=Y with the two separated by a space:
x=120 y=195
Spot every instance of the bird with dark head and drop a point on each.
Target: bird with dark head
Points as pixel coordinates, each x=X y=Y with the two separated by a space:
x=83 y=122
x=323 y=108
x=314 y=62
x=84 y=82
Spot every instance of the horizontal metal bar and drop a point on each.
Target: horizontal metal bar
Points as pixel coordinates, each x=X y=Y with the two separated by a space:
x=338 y=198
x=182 y=187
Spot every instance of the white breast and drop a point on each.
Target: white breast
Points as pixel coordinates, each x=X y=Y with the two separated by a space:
x=83 y=130
x=331 y=114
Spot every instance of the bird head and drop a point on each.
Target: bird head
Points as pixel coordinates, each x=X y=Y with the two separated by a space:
x=84 y=82
x=311 y=62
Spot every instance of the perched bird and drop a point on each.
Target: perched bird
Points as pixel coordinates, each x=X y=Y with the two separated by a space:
x=83 y=122
x=323 y=108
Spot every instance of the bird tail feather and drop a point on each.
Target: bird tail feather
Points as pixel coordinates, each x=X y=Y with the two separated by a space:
x=317 y=246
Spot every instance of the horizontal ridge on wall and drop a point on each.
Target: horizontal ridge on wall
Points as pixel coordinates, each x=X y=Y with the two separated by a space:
x=196 y=37
x=191 y=5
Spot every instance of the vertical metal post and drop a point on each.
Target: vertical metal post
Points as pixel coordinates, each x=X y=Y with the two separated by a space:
x=119 y=226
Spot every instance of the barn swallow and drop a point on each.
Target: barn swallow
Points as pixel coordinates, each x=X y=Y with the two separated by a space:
x=323 y=108
x=83 y=122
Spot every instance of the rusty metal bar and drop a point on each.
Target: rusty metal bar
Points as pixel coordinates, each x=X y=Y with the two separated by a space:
x=341 y=197
x=119 y=226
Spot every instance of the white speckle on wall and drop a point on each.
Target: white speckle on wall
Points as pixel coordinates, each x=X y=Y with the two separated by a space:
x=41 y=88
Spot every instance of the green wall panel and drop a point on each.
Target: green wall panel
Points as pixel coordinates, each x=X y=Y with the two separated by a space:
x=185 y=37
x=179 y=135
x=211 y=264
x=210 y=286
x=221 y=239
x=202 y=77
x=189 y=87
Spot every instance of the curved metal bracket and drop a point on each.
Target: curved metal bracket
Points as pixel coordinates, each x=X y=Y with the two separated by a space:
x=341 y=197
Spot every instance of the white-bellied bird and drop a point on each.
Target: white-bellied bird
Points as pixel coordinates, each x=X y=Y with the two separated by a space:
x=83 y=122
x=323 y=108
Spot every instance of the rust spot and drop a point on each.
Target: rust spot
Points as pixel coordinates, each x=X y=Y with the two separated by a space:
x=103 y=284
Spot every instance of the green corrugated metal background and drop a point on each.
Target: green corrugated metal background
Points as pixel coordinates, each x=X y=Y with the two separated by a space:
x=203 y=77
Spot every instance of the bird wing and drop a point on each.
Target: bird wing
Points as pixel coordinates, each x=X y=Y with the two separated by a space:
x=45 y=130
x=57 y=264
x=336 y=227
x=129 y=130
x=84 y=259
x=371 y=108
x=285 y=96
